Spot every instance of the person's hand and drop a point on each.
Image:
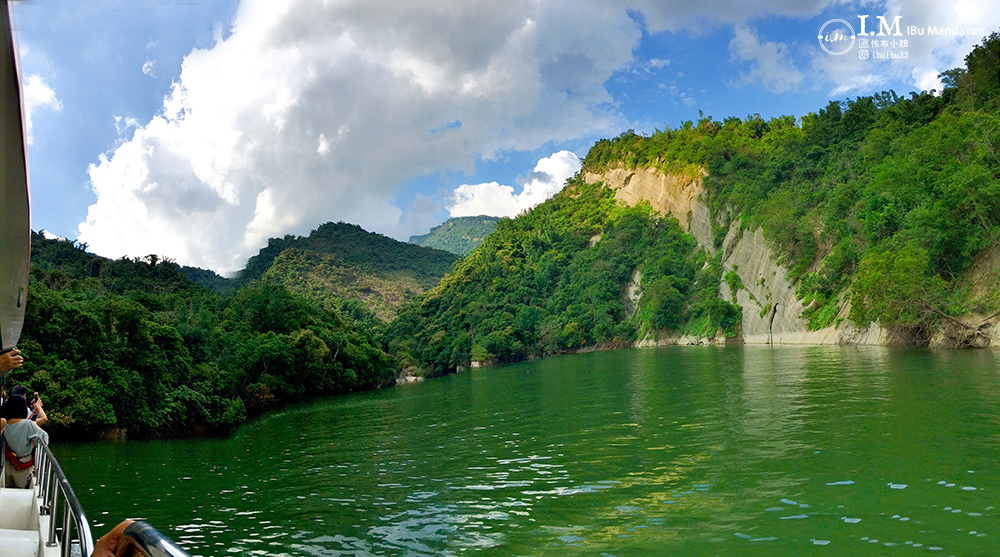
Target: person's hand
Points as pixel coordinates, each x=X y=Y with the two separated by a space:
x=37 y=406
x=11 y=360
x=107 y=546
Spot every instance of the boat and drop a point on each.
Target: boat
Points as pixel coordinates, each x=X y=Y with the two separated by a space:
x=46 y=520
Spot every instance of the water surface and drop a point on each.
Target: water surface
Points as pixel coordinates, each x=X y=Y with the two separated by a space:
x=678 y=450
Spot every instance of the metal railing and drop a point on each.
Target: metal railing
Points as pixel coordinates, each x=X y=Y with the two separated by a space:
x=69 y=528
x=57 y=500
x=149 y=542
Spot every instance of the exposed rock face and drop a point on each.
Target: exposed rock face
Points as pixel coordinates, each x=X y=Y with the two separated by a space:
x=670 y=194
x=770 y=309
x=408 y=375
x=632 y=294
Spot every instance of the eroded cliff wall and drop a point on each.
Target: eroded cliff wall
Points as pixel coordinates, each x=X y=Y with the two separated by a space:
x=770 y=308
x=670 y=194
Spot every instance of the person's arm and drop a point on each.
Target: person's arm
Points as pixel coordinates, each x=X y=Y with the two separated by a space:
x=107 y=546
x=42 y=417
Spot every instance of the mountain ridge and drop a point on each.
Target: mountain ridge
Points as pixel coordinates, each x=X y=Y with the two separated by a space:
x=458 y=235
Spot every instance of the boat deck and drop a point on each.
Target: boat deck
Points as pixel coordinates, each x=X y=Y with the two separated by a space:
x=21 y=523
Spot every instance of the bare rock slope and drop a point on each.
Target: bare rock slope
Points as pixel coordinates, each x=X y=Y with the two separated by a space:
x=770 y=308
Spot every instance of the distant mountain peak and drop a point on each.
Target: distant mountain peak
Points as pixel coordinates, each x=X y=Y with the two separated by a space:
x=458 y=235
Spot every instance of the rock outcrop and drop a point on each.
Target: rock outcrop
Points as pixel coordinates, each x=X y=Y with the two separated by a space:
x=670 y=194
x=771 y=311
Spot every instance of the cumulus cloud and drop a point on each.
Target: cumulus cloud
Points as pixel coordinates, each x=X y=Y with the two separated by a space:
x=770 y=63
x=304 y=112
x=37 y=94
x=307 y=113
x=493 y=199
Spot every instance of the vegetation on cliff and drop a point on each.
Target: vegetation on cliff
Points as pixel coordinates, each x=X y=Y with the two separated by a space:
x=883 y=201
x=555 y=279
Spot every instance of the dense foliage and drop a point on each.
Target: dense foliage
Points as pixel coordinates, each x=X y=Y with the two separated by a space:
x=459 y=235
x=556 y=278
x=881 y=200
x=349 y=245
x=341 y=262
x=133 y=346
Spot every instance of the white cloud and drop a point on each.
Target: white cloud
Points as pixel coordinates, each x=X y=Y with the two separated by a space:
x=927 y=55
x=649 y=66
x=37 y=94
x=926 y=79
x=123 y=124
x=547 y=179
x=308 y=113
x=944 y=52
x=770 y=63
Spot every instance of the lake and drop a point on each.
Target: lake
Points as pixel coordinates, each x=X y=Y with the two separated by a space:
x=668 y=451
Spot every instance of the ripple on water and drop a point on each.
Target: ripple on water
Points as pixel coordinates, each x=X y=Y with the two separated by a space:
x=456 y=483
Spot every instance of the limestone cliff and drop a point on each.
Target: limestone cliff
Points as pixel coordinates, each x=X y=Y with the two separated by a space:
x=670 y=194
x=770 y=308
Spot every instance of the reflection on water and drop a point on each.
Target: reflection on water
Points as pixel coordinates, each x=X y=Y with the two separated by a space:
x=681 y=450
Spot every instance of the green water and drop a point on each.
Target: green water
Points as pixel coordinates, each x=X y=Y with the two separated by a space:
x=673 y=451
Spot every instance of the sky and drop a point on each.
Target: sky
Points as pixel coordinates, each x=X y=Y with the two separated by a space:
x=198 y=129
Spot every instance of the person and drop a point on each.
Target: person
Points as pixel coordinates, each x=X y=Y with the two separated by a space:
x=10 y=360
x=21 y=436
x=35 y=411
x=108 y=544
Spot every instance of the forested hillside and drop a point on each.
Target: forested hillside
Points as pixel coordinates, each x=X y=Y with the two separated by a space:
x=884 y=202
x=885 y=205
x=556 y=279
x=340 y=261
x=458 y=235
x=132 y=346
x=881 y=202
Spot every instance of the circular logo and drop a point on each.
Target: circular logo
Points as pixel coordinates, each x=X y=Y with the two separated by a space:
x=836 y=36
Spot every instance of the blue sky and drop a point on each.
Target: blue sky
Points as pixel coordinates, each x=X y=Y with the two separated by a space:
x=197 y=129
